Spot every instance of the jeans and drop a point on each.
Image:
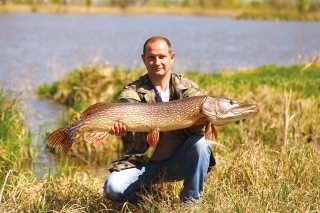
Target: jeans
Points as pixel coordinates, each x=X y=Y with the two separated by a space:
x=190 y=163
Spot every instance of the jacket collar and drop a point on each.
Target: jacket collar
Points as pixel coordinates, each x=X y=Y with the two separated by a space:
x=147 y=91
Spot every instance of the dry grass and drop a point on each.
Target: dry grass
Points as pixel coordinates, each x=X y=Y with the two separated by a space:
x=253 y=178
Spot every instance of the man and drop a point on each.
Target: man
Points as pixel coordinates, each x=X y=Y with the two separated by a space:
x=180 y=154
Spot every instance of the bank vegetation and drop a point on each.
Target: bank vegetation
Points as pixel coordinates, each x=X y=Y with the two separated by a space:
x=255 y=9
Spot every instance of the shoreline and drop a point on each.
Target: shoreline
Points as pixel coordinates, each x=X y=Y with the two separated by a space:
x=97 y=9
x=240 y=13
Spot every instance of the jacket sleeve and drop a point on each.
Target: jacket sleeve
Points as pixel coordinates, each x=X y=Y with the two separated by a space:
x=188 y=88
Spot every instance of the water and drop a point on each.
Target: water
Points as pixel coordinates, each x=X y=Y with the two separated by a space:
x=37 y=48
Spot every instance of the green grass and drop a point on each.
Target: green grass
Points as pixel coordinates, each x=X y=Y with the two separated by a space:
x=15 y=138
x=272 y=16
x=279 y=77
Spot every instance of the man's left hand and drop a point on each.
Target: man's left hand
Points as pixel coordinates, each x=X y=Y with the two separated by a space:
x=118 y=129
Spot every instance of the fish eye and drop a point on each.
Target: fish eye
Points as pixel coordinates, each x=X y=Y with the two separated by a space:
x=232 y=102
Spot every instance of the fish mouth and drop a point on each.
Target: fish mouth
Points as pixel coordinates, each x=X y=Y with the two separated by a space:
x=237 y=113
x=244 y=109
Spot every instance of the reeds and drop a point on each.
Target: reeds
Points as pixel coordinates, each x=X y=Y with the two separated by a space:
x=15 y=138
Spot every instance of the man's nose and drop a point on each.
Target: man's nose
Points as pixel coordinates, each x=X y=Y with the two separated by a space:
x=157 y=60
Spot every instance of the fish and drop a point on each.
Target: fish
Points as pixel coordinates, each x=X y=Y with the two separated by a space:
x=96 y=121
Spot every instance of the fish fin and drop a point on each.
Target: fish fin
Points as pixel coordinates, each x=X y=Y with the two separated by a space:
x=61 y=138
x=57 y=137
x=153 y=138
x=66 y=147
x=214 y=132
x=91 y=109
x=95 y=137
x=206 y=131
x=210 y=126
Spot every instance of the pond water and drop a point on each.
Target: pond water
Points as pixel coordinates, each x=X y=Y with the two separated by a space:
x=37 y=48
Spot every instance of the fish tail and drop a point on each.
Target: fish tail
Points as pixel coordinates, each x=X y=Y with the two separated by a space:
x=61 y=138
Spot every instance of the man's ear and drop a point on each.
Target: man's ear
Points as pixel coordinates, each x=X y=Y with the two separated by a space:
x=173 y=55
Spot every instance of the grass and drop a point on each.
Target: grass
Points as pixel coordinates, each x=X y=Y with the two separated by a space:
x=268 y=163
x=15 y=138
x=274 y=16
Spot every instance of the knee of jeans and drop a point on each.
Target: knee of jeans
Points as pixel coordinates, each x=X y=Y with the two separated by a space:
x=114 y=190
x=203 y=145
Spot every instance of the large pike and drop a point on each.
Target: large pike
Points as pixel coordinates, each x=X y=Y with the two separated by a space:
x=96 y=121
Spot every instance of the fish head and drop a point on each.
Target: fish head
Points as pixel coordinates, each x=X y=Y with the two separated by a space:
x=221 y=111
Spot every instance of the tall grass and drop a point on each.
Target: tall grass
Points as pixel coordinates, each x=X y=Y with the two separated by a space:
x=15 y=138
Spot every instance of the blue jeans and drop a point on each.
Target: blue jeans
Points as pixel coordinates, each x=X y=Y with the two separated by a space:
x=190 y=163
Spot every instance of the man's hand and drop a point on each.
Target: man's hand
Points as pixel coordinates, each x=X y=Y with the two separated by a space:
x=118 y=129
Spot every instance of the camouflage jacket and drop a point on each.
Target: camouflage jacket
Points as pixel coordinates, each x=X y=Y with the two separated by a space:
x=142 y=90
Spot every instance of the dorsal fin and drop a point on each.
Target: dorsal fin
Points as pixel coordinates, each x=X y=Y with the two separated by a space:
x=93 y=108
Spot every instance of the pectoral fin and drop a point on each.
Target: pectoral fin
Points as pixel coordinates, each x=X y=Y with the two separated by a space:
x=94 y=137
x=153 y=138
x=210 y=126
x=214 y=132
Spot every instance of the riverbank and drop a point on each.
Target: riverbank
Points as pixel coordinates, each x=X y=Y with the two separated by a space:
x=236 y=12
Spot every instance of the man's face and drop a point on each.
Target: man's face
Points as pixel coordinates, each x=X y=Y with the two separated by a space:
x=157 y=58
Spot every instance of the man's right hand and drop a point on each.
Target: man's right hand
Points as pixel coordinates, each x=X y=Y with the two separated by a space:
x=118 y=129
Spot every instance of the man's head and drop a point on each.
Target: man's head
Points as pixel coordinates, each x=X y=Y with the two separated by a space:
x=154 y=39
x=158 y=56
